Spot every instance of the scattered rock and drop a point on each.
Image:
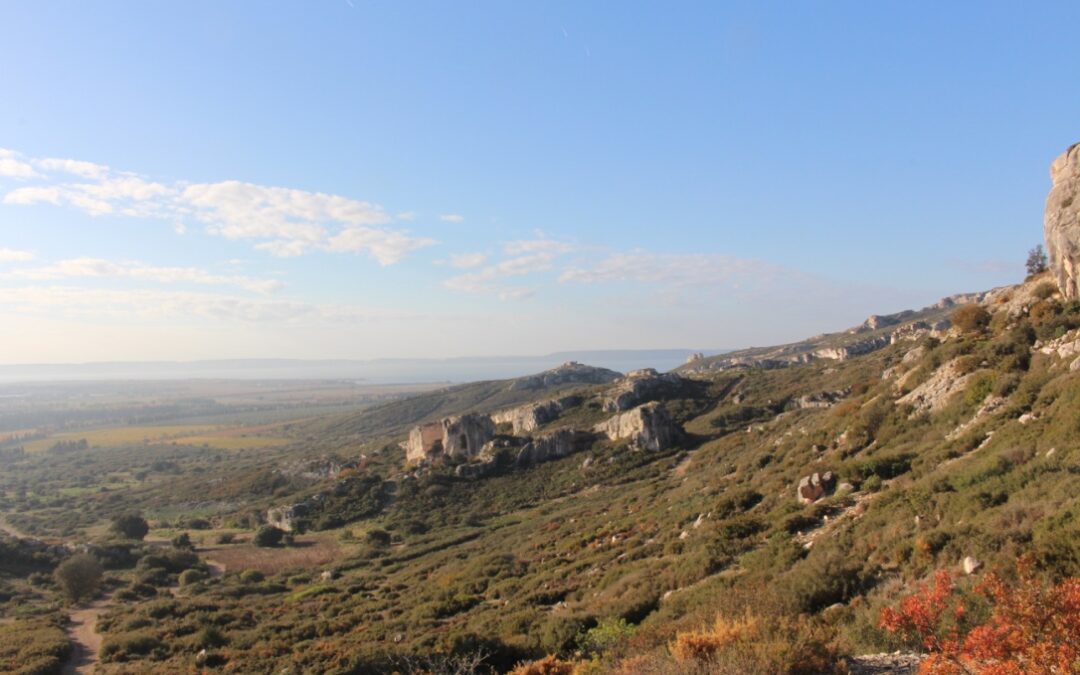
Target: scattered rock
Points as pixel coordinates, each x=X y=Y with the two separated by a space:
x=933 y=394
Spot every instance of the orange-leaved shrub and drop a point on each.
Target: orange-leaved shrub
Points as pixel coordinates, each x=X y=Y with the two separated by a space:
x=1033 y=627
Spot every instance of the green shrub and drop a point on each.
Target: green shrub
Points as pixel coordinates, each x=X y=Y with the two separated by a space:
x=79 y=576
x=979 y=387
x=971 y=318
x=268 y=535
x=191 y=576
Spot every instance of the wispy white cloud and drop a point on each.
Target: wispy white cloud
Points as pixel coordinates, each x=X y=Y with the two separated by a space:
x=73 y=166
x=703 y=269
x=94 y=304
x=526 y=257
x=15 y=255
x=98 y=268
x=281 y=221
x=467 y=260
x=452 y=218
x=11 y=166
x=386 y=246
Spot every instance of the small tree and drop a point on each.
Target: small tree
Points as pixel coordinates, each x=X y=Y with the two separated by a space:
x=1036 y=261
x=131 y=526
x=268 y=535
x=79 y=576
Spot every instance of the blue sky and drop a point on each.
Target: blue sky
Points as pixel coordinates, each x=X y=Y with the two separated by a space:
x=358 y=179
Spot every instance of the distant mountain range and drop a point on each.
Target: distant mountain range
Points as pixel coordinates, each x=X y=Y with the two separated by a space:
x=376 y=371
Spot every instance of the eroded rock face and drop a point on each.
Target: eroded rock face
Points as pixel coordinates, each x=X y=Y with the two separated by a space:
x=527 y=418
x=550 y=446
x=639 y=386
x=459 y=437
x=1061 y=223
x=648 y=426
x=464 y=436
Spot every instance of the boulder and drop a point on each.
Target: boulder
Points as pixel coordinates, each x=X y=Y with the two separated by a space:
x=815 y=486
x=971 y=565
x=647 y=426
x=1061 y=222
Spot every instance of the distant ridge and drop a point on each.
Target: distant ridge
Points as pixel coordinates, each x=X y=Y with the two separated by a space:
x=375 y=371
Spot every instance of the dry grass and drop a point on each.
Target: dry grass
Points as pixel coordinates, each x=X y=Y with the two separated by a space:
x=225 y=438
x=308 y=552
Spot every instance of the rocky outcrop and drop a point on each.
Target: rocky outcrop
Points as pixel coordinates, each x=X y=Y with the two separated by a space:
x=551 y=446
x=934 y=394
x=528 y=418
x=823 y=399
x=640 y=386
x=648 y=427
x=845 y=352
x=570 y=372
x=459 y=437
x=1061 y=222
x=287 y=517
x=815 y=486
x=878 y=321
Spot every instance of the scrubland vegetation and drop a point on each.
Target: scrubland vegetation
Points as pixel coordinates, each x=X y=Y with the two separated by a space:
x=694 y=559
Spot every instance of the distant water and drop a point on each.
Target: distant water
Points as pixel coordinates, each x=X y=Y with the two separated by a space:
x=376 y=371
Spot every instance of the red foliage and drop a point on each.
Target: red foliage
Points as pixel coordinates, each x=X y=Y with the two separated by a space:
x=1033 y=628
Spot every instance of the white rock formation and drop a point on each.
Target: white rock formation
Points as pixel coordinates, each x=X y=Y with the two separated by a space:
x=640 y=386
x=647 y=426
x=1061 y=222
x=528 y=418
x=459 y=437
x=934 y=394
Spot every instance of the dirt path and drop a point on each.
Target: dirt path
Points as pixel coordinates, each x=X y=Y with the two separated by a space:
x=85 y=640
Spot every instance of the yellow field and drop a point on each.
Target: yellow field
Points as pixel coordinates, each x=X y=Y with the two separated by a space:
x=226 y=438
x=233 y=442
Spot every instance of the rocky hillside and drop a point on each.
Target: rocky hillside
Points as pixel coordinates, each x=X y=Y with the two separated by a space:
x=750 y=513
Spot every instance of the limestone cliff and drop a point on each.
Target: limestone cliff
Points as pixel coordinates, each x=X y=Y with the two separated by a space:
x=458 y=437
x=648 y=426
x=1061 y=223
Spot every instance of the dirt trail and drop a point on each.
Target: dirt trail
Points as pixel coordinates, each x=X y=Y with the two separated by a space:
x=85 y=640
